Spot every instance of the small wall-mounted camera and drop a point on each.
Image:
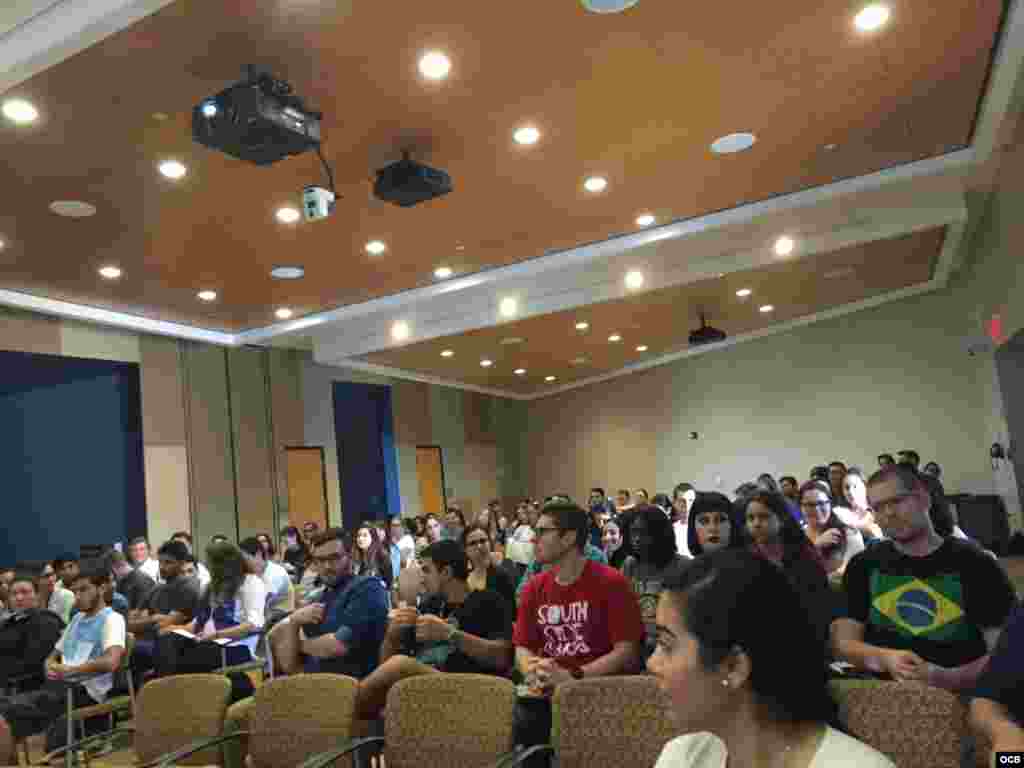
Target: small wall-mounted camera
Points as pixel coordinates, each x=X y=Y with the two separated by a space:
x=317 y=203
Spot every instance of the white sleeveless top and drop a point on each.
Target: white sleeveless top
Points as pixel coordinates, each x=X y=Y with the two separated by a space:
x=705 y=750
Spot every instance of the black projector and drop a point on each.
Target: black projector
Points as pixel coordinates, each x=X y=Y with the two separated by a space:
x=257 y=120
x=407 y=183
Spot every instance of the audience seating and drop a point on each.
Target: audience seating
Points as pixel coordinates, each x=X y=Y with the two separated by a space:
x=291 y=719
x=440 y=720
x=914 y=724
x=172 y=712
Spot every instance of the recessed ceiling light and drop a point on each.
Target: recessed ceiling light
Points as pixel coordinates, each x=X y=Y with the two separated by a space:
x=734 y=142
x=578 y=360
x=435 y=65
x=743 y=292
x=595 y=184
x=376 y=247
x=283 y=313
x=287 y=273
x=73 y=209
x=634 y=279
x=645 y=220
x=840 y=272
x=172 y=169
x=160 y=117
x=767 y=308
x=508 y=307
x=485 y=363
x=582 y=326
x=549 y=378
x=526 y=135
x=110 y=272
x=460 y=247
x=287 y=215
x=207 y=295
x=872 y=17
x=614 y=337
x=447 y=353
x=519 y=371
x=831 y=147
x=642 y=348
x=784 y=246
x=3 y=243
x=608 y=6
x=20 y=111
x=400 y=331
x=443 y=273
x=512 y=340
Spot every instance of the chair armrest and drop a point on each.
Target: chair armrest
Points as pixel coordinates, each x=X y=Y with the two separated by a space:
x=325 y=759
x=196 y=746
x=516 y=758
x=87 y=741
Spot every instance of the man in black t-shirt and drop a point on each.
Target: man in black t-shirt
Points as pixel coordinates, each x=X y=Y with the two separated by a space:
x=454 y=630
x=920 y=607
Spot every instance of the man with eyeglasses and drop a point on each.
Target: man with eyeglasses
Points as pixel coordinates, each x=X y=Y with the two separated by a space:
x=341 y=632
x=920 y=607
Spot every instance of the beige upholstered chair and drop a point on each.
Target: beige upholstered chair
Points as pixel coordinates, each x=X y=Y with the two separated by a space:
x=441 y=720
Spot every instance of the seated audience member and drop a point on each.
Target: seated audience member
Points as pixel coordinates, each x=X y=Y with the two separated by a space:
x=202 y=573
x=54 y=596
x=455 y=629
x=909 y=458
x=6 y=579
x=138 y=555
x=836 y=473
x=454 y=523
x=941 y=511
x=434 y=529
x=745 y=490
x=997 y=711
x=857 y=513
x=885 y=459
x=578 y=619
x=342 y=631
x=819 y=473
x=654 y=552
x=93 y=644
x=611 y=543
x=589 y=552
x=502 y=529
x=519 y=545
x=111 y=596
x=920 y=607
x=294 y=552
x=622 y=502
x=66 y=568
x=933 y=469
x=712 y=525
x=834 y=540
x=484 y=574
x=597 y=511
x=132 y=583
x=402 y=546
x=790 y=488
x=662 y=502
x=775 y=536
x=370 y=556
x=276 y=581
x=310 y=529
x=683 y=496
x=27 y=635
x=742 y=695
x=175 y=602
x=232 y=608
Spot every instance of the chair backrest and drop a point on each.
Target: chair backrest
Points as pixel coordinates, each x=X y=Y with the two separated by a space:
x=448 y=720
x=294 y=718
x=914 y=724
x=596 y=722
x=173 y=712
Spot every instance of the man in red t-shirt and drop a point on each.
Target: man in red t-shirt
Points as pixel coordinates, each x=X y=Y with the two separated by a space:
x=578 y=619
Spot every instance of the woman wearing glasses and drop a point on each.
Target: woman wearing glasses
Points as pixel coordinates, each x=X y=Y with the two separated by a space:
x=484 y=574
x=835 y=542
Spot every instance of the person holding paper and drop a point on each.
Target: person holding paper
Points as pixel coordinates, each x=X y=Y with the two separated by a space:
x=89 y=651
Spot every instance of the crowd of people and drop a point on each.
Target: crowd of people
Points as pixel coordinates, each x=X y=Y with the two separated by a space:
x=742 y=608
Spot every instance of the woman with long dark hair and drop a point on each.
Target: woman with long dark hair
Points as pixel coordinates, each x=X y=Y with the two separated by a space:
x=294 y=553
x=371 y=556
x=713 y=525
x=835 y=541
x=267 y=547
x=739 y=690
x=483 y=573
x=858 y=513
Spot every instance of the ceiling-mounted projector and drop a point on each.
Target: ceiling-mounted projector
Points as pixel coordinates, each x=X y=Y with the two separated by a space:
x=407 y=182
x=706 y=334
x=259 y=120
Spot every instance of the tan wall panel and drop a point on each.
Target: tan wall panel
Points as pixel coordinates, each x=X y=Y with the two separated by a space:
x=25 y=332
x=476 y=413
x=167 y=504
x=285 y=371
x=95 y=341
x=163 y=407
x=410 y=410
x=250 y=414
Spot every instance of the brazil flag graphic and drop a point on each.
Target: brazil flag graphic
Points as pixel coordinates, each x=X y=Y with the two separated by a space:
x=929 y=609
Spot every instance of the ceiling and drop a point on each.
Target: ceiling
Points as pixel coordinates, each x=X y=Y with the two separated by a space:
x=843 y=118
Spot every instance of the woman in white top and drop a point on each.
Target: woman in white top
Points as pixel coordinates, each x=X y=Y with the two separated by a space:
x=743 y=694
x=858 y=514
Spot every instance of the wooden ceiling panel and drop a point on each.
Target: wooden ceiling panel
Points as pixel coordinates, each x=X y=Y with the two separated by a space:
x=637 y=97
x=662 y=319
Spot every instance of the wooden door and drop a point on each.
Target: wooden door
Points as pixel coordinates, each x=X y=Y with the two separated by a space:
x=307 y=486
x=430 y=473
